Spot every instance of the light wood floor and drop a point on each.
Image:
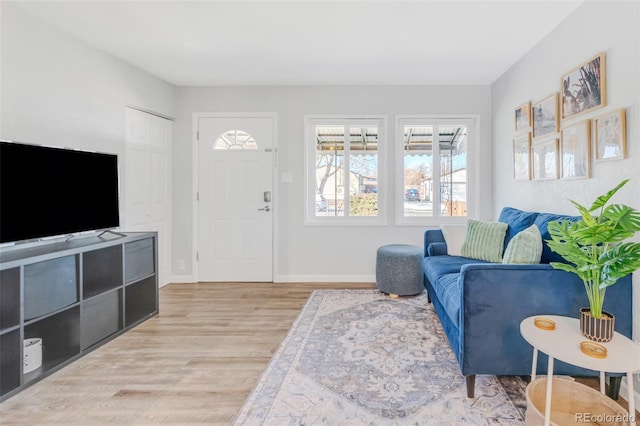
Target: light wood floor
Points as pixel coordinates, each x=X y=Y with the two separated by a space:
x=196 y=362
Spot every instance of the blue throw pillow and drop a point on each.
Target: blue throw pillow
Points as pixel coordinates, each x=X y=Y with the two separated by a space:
x=542 y=222
x=517 y=221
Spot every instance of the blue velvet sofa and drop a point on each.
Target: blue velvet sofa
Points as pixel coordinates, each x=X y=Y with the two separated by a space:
x=481 y=304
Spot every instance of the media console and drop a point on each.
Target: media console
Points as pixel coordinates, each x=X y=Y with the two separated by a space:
x=67 y=298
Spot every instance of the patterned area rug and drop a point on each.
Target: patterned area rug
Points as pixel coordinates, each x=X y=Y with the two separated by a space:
x=358 y=357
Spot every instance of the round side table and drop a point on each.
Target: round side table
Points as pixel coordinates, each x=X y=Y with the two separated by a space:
x=563 y=343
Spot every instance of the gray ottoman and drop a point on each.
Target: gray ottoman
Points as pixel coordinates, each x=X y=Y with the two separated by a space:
x=399 y=270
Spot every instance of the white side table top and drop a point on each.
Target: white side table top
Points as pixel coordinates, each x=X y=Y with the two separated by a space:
x=563 y=343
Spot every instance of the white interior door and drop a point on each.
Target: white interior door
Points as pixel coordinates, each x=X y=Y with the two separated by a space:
x=235 y=209
x=148 y=181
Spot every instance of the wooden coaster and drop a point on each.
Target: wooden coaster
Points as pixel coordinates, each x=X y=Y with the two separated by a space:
x=593 y=349
x=544 y=323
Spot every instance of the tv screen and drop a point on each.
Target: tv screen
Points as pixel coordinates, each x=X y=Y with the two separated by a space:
x=47 y=191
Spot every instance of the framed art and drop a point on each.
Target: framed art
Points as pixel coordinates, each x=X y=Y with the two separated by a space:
x=545 y=116
x=544 y=159
x=575 y=152
x=521 y=159
x=583 y=88
x=523 y=116
x=610 y=136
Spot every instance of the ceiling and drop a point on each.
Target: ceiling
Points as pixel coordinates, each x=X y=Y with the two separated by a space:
x=304 y=42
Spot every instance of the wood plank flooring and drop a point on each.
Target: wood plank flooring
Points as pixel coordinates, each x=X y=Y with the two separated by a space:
x=194 y=363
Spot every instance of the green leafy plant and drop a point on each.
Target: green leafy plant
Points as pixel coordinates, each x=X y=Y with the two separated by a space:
x=594 y=245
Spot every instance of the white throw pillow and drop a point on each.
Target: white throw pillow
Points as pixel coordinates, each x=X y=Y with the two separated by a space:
x=454 y=236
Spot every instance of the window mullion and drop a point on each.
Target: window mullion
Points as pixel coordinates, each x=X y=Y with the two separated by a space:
x=346 y=187
x=436 y=171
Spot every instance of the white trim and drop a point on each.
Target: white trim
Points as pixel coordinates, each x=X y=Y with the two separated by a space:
x=472 y=122
x=325 y=279
x=380 y=121
x=274 y=180
x=182 y=279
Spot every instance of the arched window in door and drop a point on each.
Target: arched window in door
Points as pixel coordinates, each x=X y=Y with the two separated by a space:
x=235 y=139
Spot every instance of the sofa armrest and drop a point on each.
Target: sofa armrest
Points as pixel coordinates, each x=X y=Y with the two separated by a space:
x=495 y=298
x=432 y=236
x=437 y=249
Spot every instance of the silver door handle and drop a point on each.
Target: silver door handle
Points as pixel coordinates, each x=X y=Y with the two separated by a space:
x=266 y=209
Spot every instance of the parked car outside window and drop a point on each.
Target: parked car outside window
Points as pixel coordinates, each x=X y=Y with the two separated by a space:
x=412 y=195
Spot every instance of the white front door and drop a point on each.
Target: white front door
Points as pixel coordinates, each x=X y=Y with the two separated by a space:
x=148 y=181
x=235 y=209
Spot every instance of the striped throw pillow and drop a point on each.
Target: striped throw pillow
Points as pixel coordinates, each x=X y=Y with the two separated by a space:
x=484 y=240
x=525 y=247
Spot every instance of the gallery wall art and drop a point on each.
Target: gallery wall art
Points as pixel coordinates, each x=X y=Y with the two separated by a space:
x=610 y=136
x=583 y=88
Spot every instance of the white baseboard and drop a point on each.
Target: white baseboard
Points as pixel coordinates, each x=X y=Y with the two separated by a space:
x=182 y=279
x=189 y=279
x=325 y=279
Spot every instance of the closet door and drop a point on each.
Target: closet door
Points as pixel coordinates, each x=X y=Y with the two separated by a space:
x=147 y=182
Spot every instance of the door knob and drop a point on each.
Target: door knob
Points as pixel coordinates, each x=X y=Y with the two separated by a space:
x=266 y=209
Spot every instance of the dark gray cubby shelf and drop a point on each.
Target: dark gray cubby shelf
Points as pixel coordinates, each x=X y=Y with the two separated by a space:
x=74 y=295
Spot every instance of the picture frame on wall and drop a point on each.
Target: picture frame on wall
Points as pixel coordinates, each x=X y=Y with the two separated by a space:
x=521 y=158
x=523 y=116
x=575 y=152
x=583 y=88
x=610 y=139
x=545 y=116
x=544 y=159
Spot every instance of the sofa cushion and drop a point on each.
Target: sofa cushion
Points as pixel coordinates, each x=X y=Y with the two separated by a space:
x=542 y=222
x=517 y=221
x=454 y=235
x=437 y=266
x=449 y=294
x=484 y=240
x=525 y=247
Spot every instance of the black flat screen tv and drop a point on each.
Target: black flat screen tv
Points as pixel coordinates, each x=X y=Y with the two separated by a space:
x=47 y=191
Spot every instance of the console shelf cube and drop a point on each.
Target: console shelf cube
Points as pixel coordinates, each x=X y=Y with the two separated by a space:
x=72 y=296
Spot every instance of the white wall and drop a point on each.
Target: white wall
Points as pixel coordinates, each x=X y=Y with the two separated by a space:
x=60 y=91
x=596 y=26
x=313 y=253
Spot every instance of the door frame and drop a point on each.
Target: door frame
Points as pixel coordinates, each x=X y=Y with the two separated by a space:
x=196 y=183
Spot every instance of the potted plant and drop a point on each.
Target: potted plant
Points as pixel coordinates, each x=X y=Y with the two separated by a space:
x=595 y=250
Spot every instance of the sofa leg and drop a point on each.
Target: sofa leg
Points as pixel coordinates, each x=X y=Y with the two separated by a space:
x=614 y=387
x=471 y=384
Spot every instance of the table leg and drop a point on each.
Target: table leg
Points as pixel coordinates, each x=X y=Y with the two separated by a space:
x=602 y=382
x=547 y=406
x=631 y=396
x=534 y=364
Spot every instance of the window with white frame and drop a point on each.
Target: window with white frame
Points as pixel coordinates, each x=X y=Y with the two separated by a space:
x=343 y=170
x=433 y=160
x=235 y=140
